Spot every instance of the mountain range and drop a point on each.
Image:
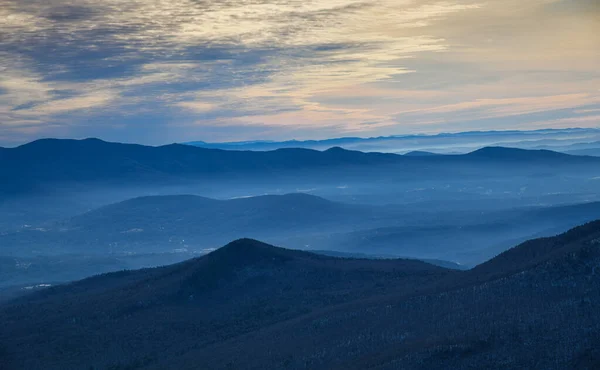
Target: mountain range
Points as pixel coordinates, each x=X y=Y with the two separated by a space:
x=189 y=224
x=388 y=284
x=461 y=142
x=49 y=165
x=48 y=180
x=254 y=306
x=64 y=161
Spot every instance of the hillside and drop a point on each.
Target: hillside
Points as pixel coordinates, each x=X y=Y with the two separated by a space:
x=49 y=180
x=194 y=224
x=166 y=223
x=193 y=213
x=542 y=314
x=255 y=306
x=467 y=237
x=441 y=263
x=239 y=288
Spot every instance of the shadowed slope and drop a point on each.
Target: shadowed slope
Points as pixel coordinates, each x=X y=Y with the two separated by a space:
x=244 y=286
x=530 y=254
x=256 y=306
x=507 y=314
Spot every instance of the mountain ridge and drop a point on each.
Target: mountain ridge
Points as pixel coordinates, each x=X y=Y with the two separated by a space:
x=54 y=161
x=228 y=307
x=499 y=134
x=497 y=152
x=194 y=224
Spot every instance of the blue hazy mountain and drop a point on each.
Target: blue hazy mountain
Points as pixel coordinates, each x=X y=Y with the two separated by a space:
x=512 y=154
x=444 y=143
x=579 y=148
x=45 y=164
x=190 y=224
x=50 y=180
x=257 y=306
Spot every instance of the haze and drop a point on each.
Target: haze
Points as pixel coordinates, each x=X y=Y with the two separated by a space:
x=287 y=184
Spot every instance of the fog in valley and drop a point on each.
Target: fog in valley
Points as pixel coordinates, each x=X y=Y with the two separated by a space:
x=458 y=210
x=299 y=185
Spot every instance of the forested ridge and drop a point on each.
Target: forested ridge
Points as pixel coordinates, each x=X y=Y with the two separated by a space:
x=250 y=305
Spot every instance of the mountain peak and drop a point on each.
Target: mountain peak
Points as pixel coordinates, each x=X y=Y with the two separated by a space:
x=246 y=251
x=53 y=141
x=500 y=152
x=337 y=149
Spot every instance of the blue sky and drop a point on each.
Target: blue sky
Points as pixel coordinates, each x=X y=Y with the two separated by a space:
x=161 y=71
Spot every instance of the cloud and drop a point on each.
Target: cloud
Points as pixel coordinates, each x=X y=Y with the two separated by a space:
x=288 y=67
x=197 y=106
x=58 y=106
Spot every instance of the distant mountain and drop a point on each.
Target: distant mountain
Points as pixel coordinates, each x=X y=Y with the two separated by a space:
x=48 y=164
x=192 y=224
x=578 y=148
x=49 y=161
x=501 y=153
x=256 y=306
x=443 y=142
x=419 y=153
x=590 y=151
x=467 y=237
x=185 y=222
x=175 y=210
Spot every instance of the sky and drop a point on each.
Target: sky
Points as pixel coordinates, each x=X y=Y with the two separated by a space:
x=163 y=71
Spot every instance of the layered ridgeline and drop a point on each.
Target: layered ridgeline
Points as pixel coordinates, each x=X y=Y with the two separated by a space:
x=254 y=306
x=187 y=222
x=44 y=164
x=50 y=180
x=193 y=225
x=554 y=139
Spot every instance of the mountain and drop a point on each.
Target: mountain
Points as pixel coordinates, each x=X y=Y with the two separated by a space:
x=573 y=246
x=47 y=162
x=187 y=222
x=501 y=318
x=501 y=153
x=443 y=142
x=189 y=225
x=469 y=237
x=280 y=211
x=577 y=148
x=239 y=288
x=20 y=275
x=254 y=306
x=23 y=274
x=50 y=164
